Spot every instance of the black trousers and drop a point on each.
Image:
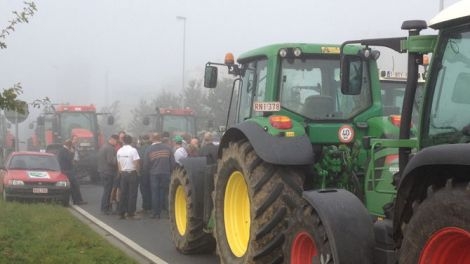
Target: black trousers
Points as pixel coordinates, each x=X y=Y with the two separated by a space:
x=145 y=191
x=128 y=192
x=107 y=180
x=74 y=187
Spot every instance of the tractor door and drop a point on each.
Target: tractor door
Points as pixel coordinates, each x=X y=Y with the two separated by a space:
x=252 y=88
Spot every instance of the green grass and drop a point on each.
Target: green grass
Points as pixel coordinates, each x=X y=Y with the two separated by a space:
x=47 y=233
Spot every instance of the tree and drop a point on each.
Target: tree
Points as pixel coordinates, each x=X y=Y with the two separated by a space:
x=136 y=126
x=112 y=110
x=218 y=100
x=193 y=95
x=9 y=97
x=167 y=99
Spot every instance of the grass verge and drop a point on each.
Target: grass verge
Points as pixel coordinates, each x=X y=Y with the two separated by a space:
x=48 y=233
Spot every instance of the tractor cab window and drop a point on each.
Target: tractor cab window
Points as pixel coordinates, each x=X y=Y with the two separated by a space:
x=253 y=88
x=311 y=87
x=178 y=124
x=449 y=118
x=73 y=120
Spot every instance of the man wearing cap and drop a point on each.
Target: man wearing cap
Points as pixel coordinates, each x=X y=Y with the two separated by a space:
x=107 y=168
x=180 y=151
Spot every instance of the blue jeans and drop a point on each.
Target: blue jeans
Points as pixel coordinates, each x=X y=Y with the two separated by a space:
x=159 y=184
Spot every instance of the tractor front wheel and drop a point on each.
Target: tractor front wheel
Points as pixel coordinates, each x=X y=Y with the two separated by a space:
x=439 y=230
x=253 y=201
x=306 y=240
x=187 y=229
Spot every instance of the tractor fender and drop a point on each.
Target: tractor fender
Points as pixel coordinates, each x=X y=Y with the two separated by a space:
x=347 y=223
x=196 y=168
x=272 y=149
x=432 y=165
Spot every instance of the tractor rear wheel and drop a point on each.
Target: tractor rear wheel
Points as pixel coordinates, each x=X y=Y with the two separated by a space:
x=187 y=229
x=306 y=240
x=253 y=201
x=439 y=230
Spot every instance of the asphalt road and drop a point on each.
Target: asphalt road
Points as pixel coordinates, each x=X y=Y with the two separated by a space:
x=151 y=235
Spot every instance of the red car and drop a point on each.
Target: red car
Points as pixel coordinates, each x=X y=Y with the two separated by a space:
x=36 y=176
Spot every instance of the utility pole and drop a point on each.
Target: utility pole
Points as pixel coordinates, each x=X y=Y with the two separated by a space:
x=184 y=48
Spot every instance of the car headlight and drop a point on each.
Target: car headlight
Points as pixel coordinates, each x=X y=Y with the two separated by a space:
x=15 y=182
x=62 y=184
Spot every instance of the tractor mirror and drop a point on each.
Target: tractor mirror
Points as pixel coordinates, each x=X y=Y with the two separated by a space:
x=146 y=121
x=210 y=76
x=351 y=74
x=110 y=120
x=460 y=94
x=40 y=121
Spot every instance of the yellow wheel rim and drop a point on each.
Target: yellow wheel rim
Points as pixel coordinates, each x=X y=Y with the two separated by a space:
x=180 y=210
x=237 y=214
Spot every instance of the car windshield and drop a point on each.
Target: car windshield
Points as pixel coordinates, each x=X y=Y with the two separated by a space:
x=34 y=162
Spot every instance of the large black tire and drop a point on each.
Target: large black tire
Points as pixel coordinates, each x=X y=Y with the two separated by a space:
x=446 y=209
x=257 y=198
x=306 y=239
x=188 y=234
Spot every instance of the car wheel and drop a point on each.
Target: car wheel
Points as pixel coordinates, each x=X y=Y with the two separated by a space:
x=5 y=196
x=66 y=200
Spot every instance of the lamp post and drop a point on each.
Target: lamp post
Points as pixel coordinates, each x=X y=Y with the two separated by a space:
x=184 y=45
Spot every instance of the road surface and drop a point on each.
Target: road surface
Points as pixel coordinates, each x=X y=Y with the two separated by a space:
x=152 y=235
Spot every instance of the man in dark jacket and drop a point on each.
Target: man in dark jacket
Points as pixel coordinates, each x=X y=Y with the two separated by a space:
x=107 y=168
x=65 y=156
x=158 y=163
x=208 y=149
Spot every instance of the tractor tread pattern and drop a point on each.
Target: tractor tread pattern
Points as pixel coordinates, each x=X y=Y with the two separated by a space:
x=195 y=240
x=268 y=189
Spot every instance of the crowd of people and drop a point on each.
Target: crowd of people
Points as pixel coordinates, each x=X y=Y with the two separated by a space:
x=126 y=166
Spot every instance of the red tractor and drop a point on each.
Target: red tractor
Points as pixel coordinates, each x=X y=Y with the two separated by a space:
x=60 y=122
x=176 y=121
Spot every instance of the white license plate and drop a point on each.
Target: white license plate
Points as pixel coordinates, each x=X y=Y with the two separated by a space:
x=40 y=190
x=267 y=106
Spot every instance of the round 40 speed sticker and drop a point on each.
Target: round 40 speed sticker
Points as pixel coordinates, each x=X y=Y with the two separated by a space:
x=345 y=134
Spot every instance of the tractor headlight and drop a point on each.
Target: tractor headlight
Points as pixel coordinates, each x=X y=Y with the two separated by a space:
x=297 y=52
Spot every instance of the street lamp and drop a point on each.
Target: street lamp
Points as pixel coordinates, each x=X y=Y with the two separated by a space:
x=184 y=45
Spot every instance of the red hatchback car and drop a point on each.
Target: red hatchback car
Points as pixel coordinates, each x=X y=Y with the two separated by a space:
x=36 y=176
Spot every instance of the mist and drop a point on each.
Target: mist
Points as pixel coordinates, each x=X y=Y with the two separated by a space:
x=98 y=52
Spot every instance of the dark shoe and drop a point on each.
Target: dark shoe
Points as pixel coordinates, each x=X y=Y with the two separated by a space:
x=155 y=216
x=106 y=212
x=134 y=217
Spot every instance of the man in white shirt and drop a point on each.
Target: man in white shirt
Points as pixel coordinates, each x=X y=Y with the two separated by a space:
x=128 y=163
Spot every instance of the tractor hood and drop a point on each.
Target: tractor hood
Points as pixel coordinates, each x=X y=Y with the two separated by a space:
x=82 y=133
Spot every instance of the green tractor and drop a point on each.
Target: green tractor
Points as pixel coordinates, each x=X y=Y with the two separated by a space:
x=295 y=130
x=429 y=220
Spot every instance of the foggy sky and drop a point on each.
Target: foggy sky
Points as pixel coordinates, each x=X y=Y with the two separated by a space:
x=84 y=51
